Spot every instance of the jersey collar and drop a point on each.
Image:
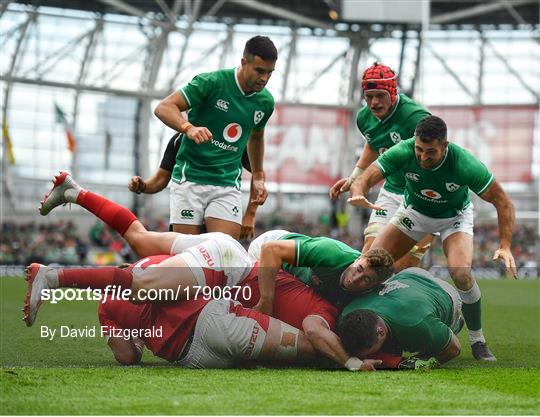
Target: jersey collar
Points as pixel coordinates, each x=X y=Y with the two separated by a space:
x=391 y=113
x=238 y=84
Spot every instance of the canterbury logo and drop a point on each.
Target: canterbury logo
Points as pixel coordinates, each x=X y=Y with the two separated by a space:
x=222 y=105
x=405 y=221
x=186 y=214
x=412 y=176
x=395 y=136
x=381 y=212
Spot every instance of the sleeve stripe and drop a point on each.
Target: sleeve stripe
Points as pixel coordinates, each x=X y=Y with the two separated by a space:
x=185 y=96
x=486 y=186
x=380 y=166
x=297 y=247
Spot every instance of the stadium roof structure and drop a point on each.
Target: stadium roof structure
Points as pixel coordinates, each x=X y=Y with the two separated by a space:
x=112 y=59
x=307 y=13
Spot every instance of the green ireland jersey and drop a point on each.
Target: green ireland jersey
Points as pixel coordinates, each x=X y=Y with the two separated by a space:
x=217 y=102
x=319 y=263
x=441 y=192
x=383 y=134
x=417 y=311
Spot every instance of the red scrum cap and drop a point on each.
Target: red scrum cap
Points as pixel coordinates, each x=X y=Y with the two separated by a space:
x=380 y=77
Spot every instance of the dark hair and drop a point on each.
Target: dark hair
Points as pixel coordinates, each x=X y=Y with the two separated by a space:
x=381 y=261
x=358 y=331
x=431 y=128
x=261 y=46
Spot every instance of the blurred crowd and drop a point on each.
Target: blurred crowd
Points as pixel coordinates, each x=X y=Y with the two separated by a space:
x=64 y=243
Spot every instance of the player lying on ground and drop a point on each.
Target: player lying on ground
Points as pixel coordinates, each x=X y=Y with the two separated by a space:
x=218 y=262
x=335 y=270
x=196 y=333
x=296 y=304
x=147 y=243
x=414 y=309
x=438 y=176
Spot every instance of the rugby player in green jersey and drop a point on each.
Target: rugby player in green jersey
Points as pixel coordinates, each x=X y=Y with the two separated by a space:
x=387 y=119
x=333 y=269
x=227 y=112
x=438 y=177
x=162 y=176
x=417 y=311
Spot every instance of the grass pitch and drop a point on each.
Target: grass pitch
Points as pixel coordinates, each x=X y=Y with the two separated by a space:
x=79 y=376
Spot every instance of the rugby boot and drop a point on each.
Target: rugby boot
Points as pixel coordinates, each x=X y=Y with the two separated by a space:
x=481 y=352
x=56 y=196
x=37 y=281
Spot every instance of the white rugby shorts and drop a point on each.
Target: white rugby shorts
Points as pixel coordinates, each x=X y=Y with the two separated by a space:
x=221 y=253
x=222 y=337
x=254 y=248
x=390 y=202
x=191 y=203
x=416 y=225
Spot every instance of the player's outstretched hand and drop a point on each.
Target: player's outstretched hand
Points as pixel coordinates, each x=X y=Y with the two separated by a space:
x=370 y=365
x=260 y=193
x=506 y=256
x=342 y=186
x=136 y=185
x=361 y=201
x=417 y=364
x=199 y=134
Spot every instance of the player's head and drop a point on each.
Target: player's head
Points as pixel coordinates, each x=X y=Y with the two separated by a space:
x=379 y=86
x=362 y=333
x=430 y=141
x=369 y=270
x=258 y=62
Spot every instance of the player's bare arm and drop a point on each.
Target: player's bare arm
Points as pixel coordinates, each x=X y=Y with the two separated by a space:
x=273 y=255
x=451 y=351
x=367 y=157
x=126 y=351
x=328 y=343
x=154 y=184
x=255 y=149
x=169 y=111
x=362 y=185
x=248 y=221
x=506 y=216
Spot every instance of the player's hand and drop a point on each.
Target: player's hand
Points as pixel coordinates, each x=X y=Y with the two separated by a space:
x=259 y=192
x=417 y=364
x=361 y=201
x=247 y=230
x=136 y=185
x=506 y=256
x=342 y=186
x=264 y=307
x=199 y=134
x=370 y=365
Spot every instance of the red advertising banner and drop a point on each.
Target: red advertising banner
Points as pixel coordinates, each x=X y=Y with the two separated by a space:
x=500 y=136
x=306 y=145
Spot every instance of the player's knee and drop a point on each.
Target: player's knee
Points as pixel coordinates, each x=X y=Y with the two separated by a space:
x=462 y=277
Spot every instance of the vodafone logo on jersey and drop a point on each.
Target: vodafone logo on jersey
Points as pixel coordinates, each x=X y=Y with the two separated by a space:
x=232 y=132
x=434 y=195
